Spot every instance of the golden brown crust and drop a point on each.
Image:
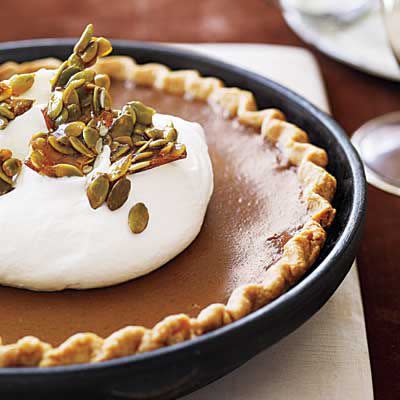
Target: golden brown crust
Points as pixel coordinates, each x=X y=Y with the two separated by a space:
x=10 y=68
x=299 y=253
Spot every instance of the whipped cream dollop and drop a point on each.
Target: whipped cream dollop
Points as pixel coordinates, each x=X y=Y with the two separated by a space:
x=51 y=239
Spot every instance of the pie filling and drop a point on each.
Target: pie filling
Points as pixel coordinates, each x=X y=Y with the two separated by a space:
x=254 y=210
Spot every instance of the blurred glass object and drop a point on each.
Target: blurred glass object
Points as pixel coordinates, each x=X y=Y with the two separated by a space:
x=391 y=13
x=339 y=11
x=378 y=141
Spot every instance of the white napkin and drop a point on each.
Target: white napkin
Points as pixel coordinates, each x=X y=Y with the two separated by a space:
x=326 y=358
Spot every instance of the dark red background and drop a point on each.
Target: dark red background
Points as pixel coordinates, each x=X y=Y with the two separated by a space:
x=355 y=97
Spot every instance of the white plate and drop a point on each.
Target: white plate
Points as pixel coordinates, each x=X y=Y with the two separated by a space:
x=362 y=45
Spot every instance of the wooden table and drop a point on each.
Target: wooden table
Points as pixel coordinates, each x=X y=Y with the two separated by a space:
x=354 y=96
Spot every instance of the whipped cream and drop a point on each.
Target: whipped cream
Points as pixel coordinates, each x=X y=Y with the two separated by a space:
x=51 y=239
x=19 y=131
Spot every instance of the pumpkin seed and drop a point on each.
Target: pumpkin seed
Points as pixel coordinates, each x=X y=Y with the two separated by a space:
x=84 y=40
x=72 y=98
x=105 y=99
x=12 y=167
x=87 y=74
x=136 y=139
x=140 y=143
x=21 y=83
x=154 y=133
x=144 y=147
x=139 y=166
x=80 y=147
x=21 y=105
x=87 y=169
x=56 y=77
x=104 y=47
x=144 y=114
x=122 y=126
x=55 y=105
x=62 y=118
x=140 y=129
x=92 y=123
x=4 y=187
x=70 y=88
x=66 y=74
x=171 y=134
x=76 y=83
x=85 y=97
x=5 y=178
x=59 y=147
x=64 y=140
x=66 y=170
x=119 y=152
x=90 y=53
x=74 y=112
x=75 y=60
x=167 y=149
x=138 y=218
x=3 y=122
x=91 y=136
x=179 y=149
x=39 y=143
x=37 y=159
x=119 y=194
x=96 y=100
x=127 y=109
x=5 y=154
x=99 y=146
x=124 y=140
x=97 y=191
x=158 y=143
x=5 y=91
x=102 y=80
x=133 y=116
x=143 y=156
x=38 y=135
x=120 y=168
x=74 y=128
x=88 y=160
x=6 y=112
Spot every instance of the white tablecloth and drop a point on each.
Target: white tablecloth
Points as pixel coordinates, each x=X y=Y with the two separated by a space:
x=327 y=358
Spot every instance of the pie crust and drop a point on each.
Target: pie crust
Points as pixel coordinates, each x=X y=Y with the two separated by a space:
x=299 y=253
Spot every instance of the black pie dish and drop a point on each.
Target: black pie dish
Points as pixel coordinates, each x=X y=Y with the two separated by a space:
x=173 y=371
